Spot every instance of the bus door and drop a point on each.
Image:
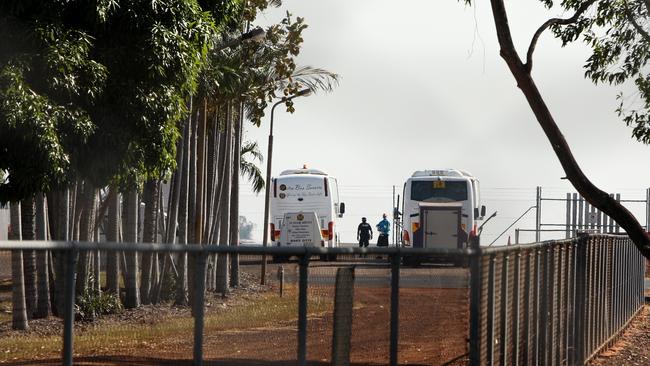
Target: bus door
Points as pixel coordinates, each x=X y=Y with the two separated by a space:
x=440 y=227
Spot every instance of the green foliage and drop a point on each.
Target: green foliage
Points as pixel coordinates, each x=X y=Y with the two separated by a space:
x=245 y=228
x=95 y=90
x=92 y=304
x=248 y=167
x=617 y=33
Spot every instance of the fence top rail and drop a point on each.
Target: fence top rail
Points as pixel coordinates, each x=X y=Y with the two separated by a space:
x=545 y=244
x=228 y=249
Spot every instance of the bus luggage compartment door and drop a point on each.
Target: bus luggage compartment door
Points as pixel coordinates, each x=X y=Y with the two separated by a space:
x=440 y=227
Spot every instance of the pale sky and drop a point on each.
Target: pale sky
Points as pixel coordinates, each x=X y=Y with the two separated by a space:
x=422 y=86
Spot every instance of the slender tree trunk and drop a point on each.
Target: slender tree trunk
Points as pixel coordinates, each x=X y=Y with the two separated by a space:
x=211 y=181
x=18 y=305
x=578 y=179
x=221 y=165
x=150 y=231
x=183 y=210
x=112 y=236
x=191 y=208
x=222 y=259
x=59 y=219
x=172 y=220
x=130 y=221
x=77 y=210
x=234 y=198
x=27 y=215
x=86 y=235
x=43 y=302
x=97 y=256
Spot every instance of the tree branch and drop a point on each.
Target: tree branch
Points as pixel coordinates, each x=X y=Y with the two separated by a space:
x=637 y=26
x=547 y=24
x=576 y=176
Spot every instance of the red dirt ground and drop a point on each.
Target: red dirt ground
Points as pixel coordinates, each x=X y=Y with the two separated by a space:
x=420 y=344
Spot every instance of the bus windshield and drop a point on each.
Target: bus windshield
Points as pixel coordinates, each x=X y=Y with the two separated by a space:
x=438 y=190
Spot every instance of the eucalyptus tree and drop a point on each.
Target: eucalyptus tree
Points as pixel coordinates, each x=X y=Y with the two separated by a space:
x=617 y=33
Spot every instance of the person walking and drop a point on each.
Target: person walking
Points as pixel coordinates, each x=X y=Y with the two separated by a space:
x=383 y=227
x=364 y=233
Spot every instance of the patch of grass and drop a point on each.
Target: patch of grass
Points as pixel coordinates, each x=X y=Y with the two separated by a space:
x=257 y=312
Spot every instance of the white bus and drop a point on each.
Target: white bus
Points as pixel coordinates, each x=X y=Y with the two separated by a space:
x=306 y=190
x=440 y=209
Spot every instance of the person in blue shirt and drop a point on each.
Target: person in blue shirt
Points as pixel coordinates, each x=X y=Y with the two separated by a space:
x=383 y=227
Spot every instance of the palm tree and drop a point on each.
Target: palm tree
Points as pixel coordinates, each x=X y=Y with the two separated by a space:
x=248 y=168
x=18 y=306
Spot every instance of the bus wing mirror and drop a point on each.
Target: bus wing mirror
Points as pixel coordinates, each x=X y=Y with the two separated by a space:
x=483 y=211
x=341 y=209
x=476 y=213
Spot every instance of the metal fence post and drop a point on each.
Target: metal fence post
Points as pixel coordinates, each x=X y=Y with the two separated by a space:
x=199 y=309
x=475 y=305
x=579 y=303
x=303 y=283
x=68 y=311
x=504 y=335
x=538 y=214
x=490 y=310
x=394 y=307
x=342 y=322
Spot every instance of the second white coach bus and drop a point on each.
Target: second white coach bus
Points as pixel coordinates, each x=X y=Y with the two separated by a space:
x=441 y=209
x=306 y=190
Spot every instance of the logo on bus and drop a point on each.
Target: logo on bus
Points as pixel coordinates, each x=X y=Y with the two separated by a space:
x=300 y=217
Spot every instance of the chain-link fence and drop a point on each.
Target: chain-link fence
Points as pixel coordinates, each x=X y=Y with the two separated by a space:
x=546 y=303
x=553 y=303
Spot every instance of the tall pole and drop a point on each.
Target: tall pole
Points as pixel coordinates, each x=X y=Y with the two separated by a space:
x=267 y=196
x=394 y=223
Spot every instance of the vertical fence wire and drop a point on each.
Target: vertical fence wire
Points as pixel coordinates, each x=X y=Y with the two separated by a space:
x=554 y=303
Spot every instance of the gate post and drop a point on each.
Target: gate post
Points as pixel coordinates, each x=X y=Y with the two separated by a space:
x=68 y=309
x=303 y=284
x=394 y=306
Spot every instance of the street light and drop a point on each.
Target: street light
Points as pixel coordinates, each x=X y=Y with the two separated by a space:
x=256 y=35
x=267 y=197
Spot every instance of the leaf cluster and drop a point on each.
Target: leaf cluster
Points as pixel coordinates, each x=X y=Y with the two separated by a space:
x=617 y=33
x=94 y=90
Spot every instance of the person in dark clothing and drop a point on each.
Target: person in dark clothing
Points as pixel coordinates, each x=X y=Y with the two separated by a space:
x=364 y=233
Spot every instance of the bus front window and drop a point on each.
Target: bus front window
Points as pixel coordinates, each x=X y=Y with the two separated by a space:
x=440 y=191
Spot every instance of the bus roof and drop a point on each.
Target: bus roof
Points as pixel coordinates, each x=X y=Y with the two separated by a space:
x=442 y=173
x=303 y=171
